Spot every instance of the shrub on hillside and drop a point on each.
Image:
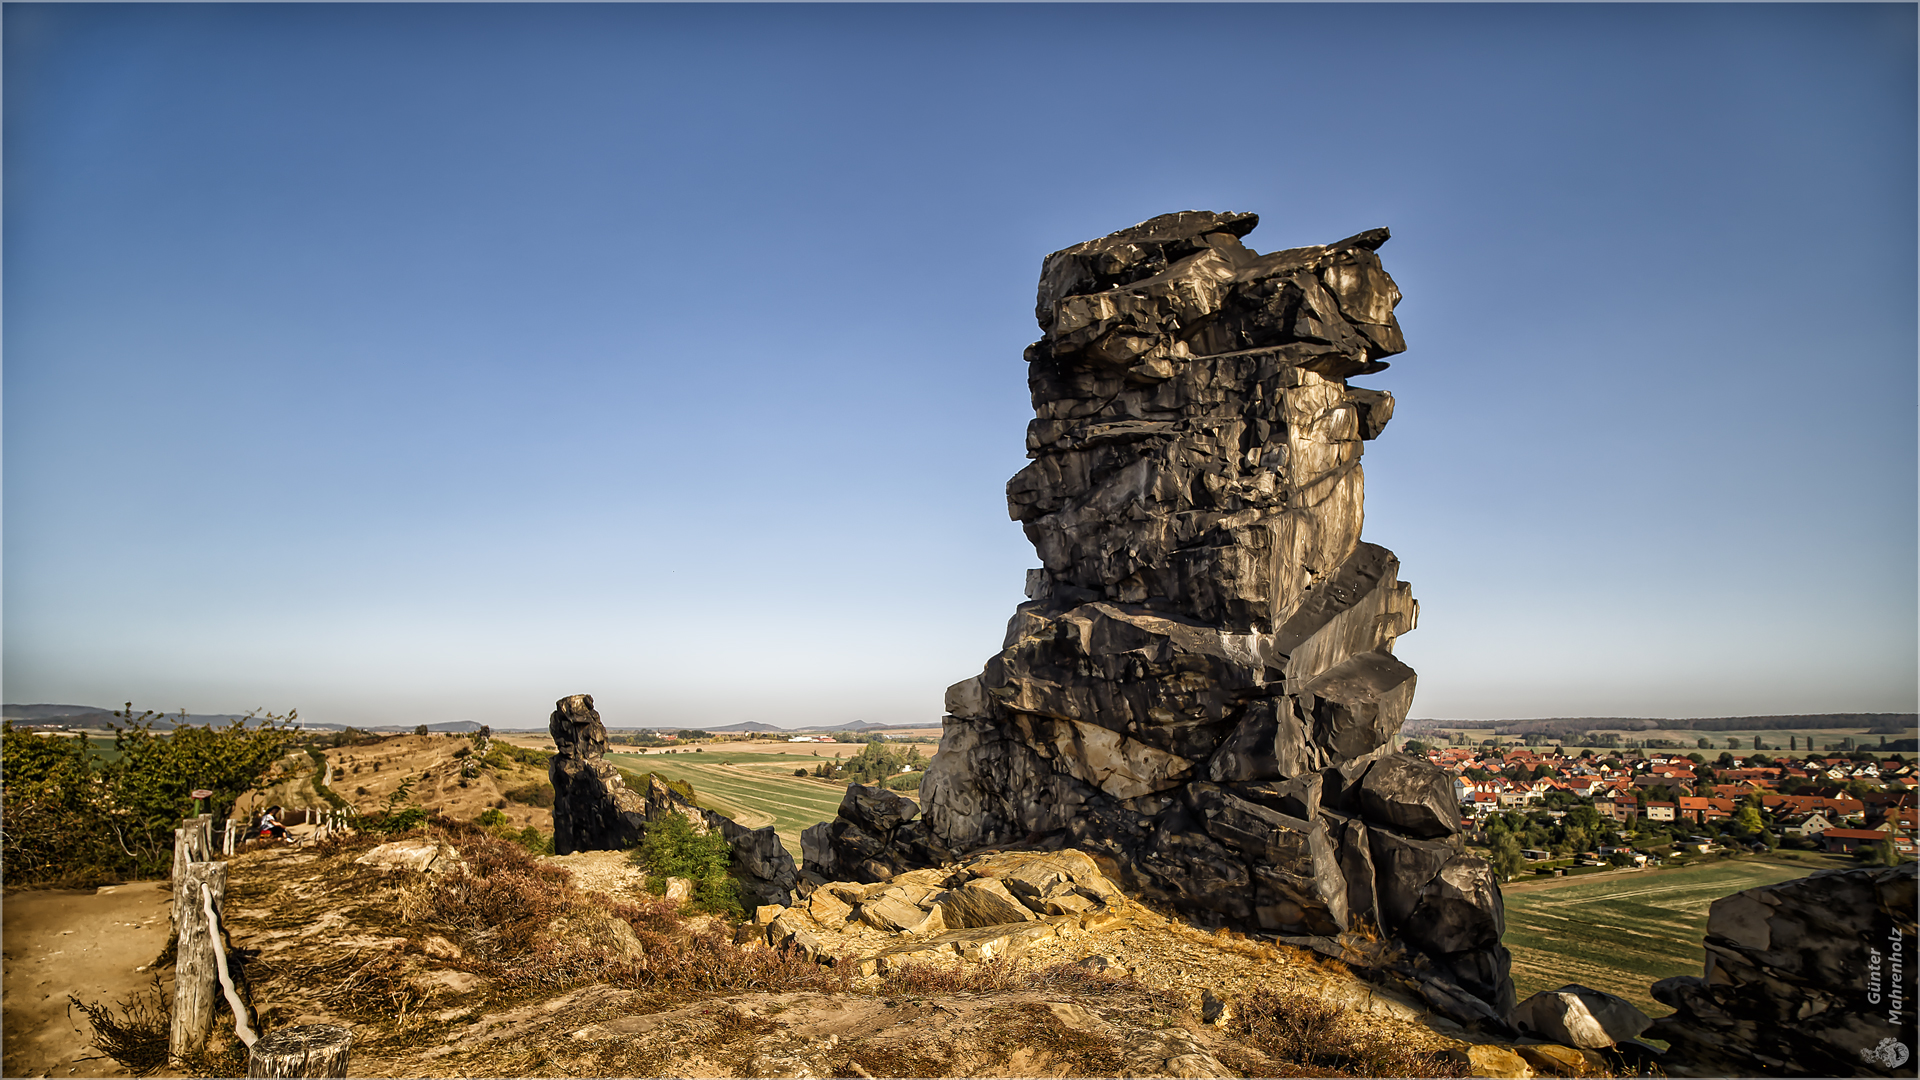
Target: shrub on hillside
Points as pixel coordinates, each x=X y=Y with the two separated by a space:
x=671 y=848
x=537 y=793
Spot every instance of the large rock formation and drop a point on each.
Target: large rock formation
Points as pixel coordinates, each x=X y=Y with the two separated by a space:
x=1813 y=977
x=1201 y=690
x=595 y=810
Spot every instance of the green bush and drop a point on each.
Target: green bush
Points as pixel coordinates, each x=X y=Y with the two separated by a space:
x=906 y=781
x=71 y=814
x=535 y=841
x=491 y=819
x=671 y=848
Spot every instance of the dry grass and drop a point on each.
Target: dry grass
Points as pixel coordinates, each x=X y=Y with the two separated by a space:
x=137 y=1036
x=1308 y=1036
x=507 y=912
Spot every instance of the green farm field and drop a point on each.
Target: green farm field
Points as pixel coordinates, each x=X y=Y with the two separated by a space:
x=752 y=789
x=1623 y=932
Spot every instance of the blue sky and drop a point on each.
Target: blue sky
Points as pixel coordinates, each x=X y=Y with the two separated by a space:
x=423 y=363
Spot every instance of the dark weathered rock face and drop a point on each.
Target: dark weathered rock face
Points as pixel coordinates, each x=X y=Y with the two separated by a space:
x=1202 y=684
x=873 y=838
x=1813 y=977
x=594 y=810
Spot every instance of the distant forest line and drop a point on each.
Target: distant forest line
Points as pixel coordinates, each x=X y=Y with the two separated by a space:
x=1571 y=727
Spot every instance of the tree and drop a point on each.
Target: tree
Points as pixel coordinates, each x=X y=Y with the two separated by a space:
x=71 y=816
x=1748 y=820
x=1725 y=760
x=148 y=787
x=420 y=729
x=1507 y=859
x=1414 y=746
x=1704 y=744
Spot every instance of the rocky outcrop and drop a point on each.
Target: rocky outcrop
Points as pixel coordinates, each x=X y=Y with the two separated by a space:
x=594 y=810
x=1812 y=977
x=872 y=838
x=1201 y=687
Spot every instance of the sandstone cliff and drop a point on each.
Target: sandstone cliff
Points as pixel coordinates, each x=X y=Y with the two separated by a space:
x=1201 y=690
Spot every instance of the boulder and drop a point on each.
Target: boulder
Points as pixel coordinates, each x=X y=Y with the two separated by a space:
x=1492 y=1061
x=1459 y=910
x=422 y=856
x=981 y=902
x=1548 y=1059
x=878 y=809
x=1578 y=1017
x=1403 y=867
x=892 y=913
x=1412 y=795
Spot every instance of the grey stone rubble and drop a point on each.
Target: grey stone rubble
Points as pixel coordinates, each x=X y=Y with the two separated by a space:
x=1813 y=977
x=1201 y=691
x=991 y=906
x=594 y=810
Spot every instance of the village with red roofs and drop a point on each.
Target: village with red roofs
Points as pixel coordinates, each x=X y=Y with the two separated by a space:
x=1551 y=808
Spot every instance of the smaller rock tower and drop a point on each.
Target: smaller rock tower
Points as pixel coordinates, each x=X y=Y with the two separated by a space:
x=593 y=809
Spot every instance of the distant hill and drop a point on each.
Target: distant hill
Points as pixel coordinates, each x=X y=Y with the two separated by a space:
x=90 y=716
x=457 y=726
x=39 y=713
x=749 y=725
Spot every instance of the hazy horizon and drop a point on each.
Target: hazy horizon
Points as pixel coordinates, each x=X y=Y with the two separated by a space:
x=405 y=363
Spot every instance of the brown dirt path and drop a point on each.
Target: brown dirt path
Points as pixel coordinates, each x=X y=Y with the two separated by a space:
x=88 y=943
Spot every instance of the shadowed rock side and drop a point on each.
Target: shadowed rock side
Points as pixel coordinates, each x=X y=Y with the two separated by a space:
x=594 y=810
x=1812 y=977
x=1201 y=690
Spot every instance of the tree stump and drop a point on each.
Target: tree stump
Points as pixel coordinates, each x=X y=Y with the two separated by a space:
x=195 y=966
x=307 y=1050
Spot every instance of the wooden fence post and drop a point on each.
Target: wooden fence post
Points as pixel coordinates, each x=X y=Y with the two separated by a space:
x=307 y=1050
x=195 y=967
x=192 y=843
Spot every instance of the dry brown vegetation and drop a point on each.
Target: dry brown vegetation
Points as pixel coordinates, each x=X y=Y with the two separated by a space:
x=505 y=966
